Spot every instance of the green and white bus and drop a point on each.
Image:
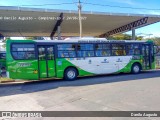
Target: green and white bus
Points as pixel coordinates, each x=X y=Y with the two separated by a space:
x=68 y=59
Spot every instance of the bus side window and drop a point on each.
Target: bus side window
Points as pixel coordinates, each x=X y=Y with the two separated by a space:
x=60 y=54
x=131 y=52
x=41 y=53
x=98 y=53
x=50 y=53
x=72 y=54
x=114 y=52
x=136 y=52
x=136 y=49
x=23 y=51
x=124 y=52
x=29 y=55
x=104 y=53
x=89 y=55
x=66 y=50
x=85 y=50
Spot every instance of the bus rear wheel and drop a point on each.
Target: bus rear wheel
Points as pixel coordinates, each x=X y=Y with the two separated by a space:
x=136 y=68
x=70 y=74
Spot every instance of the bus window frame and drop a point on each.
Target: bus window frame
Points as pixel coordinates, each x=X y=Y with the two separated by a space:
x=53 y=46
x=140 y=46
x=56 y=50
x=118 y=49
x=110 y=51
x=35 y=50
x=85 y=50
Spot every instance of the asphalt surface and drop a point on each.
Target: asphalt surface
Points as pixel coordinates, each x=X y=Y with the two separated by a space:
x=122 y=92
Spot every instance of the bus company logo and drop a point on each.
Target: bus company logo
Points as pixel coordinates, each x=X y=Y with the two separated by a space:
x=59 y=63
x=24 y=64
x=119 y=60
x=90 y=61
x=105 y=61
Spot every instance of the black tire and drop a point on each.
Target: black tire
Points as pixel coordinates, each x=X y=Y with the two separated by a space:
x=70 y=74
x=136 y=68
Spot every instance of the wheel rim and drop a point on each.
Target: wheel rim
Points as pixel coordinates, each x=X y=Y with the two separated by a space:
x=136 y=69
x=71 y=74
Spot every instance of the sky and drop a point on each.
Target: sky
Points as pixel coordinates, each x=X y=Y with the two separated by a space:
x=152 y=7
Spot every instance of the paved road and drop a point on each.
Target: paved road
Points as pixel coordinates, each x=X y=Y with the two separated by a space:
x=124 y=92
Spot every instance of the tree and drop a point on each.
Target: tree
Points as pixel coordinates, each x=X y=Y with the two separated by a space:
x=120 y=37
x=139 y=37
x=123 y=37
x=155 y=39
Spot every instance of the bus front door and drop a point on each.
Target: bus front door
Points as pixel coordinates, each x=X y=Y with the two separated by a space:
x=46 y=61
x=146 y=53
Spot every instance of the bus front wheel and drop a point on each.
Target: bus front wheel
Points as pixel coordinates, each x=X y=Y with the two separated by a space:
x=70 y=74
x=136 y=68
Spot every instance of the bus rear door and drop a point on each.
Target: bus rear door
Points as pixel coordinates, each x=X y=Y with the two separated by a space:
x=146 y=53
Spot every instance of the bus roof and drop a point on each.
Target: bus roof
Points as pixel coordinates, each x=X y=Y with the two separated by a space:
x=83 y=40
x=86 y=40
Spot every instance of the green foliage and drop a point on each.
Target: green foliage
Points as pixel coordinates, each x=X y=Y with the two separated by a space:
x=124 y=37
x=156 y=40
x=129 y=37
x=139 y=37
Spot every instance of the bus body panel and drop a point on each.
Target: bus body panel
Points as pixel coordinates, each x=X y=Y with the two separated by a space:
x=20 y=69
x=102 y=65
x=51 y=68
x=23 y=70
x=42 y=69
x=62 y=64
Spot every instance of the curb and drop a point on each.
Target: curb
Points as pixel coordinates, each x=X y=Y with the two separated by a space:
x=24 y=82
x=12 y=83
x=7 y=81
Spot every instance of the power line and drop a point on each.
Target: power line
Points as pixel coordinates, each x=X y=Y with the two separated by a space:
x=51 y=4
x=119 y=6
x=83 y=2
x=93 y=4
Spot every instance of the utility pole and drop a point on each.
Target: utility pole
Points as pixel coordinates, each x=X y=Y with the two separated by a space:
x=80 y=20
